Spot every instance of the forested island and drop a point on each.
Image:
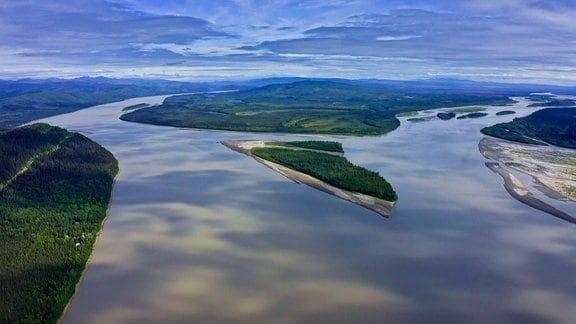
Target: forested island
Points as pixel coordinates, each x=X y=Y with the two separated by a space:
x=308 y=107
x=321 y=165
x=55 y=189
x=556 y=126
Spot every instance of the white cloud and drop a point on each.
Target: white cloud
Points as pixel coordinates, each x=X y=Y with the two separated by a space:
x=394 y=38
x=532 y=40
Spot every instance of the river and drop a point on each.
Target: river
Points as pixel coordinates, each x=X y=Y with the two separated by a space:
x=198 y=233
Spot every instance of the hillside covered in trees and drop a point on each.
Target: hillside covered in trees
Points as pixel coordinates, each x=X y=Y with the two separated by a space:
x=25 y=100
x=55 y=188
x=556 y=126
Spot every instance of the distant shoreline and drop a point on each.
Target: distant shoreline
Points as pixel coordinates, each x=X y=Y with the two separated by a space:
x=380 y=206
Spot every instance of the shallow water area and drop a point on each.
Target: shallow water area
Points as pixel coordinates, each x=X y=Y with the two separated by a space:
x=199 y=233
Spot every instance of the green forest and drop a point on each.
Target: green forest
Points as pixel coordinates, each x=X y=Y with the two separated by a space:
x=26 y=100
x=312 y=145
x=134 y=107
x=332 y=169
x=556 y=126
x=307 y=107
x=55 y=192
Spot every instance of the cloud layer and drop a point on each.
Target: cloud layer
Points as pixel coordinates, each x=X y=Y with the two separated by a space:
x=526 y=40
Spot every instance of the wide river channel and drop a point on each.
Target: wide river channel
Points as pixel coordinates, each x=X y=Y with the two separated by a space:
x=197 y=233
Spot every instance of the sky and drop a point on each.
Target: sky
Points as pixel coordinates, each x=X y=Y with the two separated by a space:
x=527 y=41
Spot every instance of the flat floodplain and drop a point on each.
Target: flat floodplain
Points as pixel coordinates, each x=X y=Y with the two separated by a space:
x=198 y=233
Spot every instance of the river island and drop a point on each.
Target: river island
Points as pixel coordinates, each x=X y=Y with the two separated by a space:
x=321 y=165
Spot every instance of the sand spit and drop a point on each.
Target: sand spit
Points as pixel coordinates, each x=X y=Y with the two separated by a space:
x=553 y=167
x=550 y=167
x=517 y=190
x=380 y=206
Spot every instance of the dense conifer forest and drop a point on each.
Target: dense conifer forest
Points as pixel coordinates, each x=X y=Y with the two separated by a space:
x=55 y=192
x=556 y=126
x=332 y=169
x=22 y=101
x=312 y=145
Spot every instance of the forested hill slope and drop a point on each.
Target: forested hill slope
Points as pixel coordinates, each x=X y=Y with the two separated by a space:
x=56 y=187
x=25 y=100
x=21 y=146
x=556 y=126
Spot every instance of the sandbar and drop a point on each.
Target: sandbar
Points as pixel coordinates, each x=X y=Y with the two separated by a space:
x=552 y=167
x=524 y=158
x=519 y=192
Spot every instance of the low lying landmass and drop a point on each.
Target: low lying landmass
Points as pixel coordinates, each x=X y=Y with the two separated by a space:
x=136 y=106
x=553 y=168
x=472 y=115
x=556 y=126
x=307 y=107
x=55 y=189
x=325 y=146
x=550 y=101
x=22 y=101
x=326 y=170
x=505 y=112
x=446 y=115
x=519 y=192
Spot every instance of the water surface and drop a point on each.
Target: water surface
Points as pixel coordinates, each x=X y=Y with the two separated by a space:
x=199 y=233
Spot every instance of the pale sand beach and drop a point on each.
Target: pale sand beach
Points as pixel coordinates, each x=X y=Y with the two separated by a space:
x=553 y=167
x=549 y=167
x=380 y=206
x=519 y=192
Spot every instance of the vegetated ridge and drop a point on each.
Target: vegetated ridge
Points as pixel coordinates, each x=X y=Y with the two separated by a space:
x=54 y=196
x=25 y=100
x=313 y=107
x=556 y=126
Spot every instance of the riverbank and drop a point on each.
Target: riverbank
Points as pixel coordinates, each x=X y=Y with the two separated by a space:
x=62 y=317
x=380 y=206
x=553 y=167
x=519 y=192
x=550 y=167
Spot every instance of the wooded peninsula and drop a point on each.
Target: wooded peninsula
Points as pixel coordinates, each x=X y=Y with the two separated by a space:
x=556 y=126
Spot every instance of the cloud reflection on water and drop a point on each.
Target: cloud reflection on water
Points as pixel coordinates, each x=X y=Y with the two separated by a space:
x=198 y=233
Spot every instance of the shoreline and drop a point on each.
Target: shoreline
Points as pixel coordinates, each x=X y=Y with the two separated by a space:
x=543 y=164
x=380 y=206
x=87 y=264
x=546 y=165
x=519 y=192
